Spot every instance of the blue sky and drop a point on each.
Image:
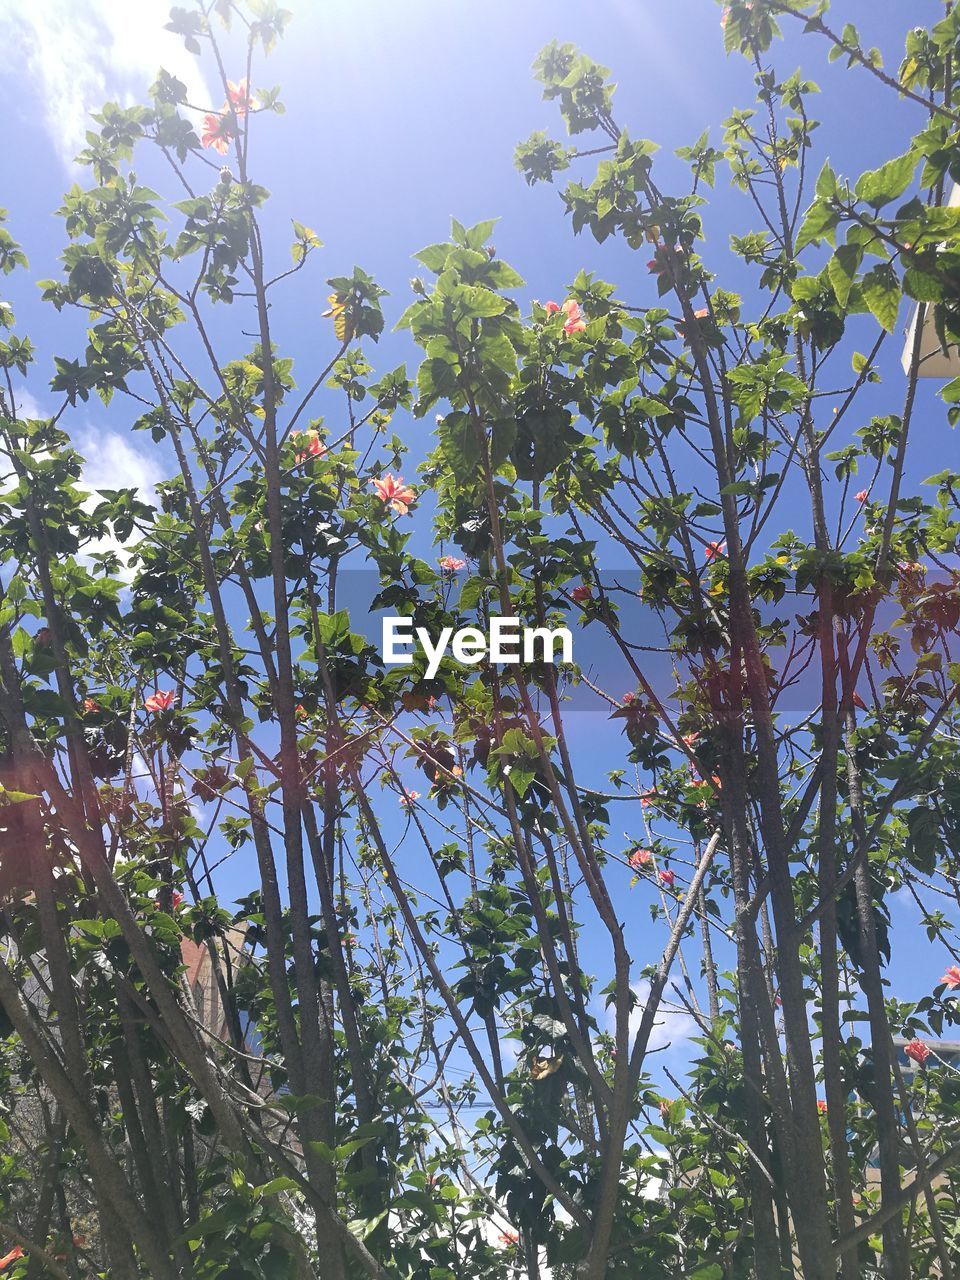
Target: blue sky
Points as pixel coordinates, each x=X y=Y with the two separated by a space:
x=399 y=114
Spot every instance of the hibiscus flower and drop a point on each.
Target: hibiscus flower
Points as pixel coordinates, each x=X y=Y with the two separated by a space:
x=239 y=98
x=861 y=495
x=451 y=564
x=90 y=707
x=714 y=549
x=667 y=878
x=574 y=322
x=582 y=593
x=392 y=491
x=15 y=1253
x=311 y=446
x=821 y=1106
x=216 y=132
x=918 y=1051
x=551 y=308
x=408 y=798
x=160 y=701
x=640 y=858
x=951 y=978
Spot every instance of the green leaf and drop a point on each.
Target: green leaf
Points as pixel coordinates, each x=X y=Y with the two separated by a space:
x=819 y=223
x=274 y=1187
x=881 y=292
x=880 y=186
x=842 y=270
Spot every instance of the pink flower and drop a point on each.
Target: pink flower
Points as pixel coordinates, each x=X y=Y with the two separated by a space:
x=702 y=314
x=408 y=798
x=451 y=564
x=861 y=495
x=575 y=322
x=582 y=593
x=395 y=493
x=160 y=701
x=90 y=707
x=508 y=1238
x=312 y=446
x=714 y=549
x=917 y=1051
x=951 y=978
x=551 y=308
x=665 y=1107
x=647 y=799
x=239 y=97
x=216 y=133
x=821 y=1106
x=667 y=878
x=640 y=858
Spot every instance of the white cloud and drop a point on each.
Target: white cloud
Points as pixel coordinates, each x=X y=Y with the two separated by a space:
x=113 y=463
x=27 y=405
x=78 y=54
x=671 y=1027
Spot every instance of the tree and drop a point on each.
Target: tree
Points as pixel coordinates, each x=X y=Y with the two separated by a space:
x=192 y=683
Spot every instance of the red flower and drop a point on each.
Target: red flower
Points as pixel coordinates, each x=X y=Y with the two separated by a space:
x=917 y=1051
x=15 y=1253
x=951 y=978
x=582 y=593
x=451 y=564
x=551 y=308
x=239 y=97
x=858 y=701
x=176 y=898
x=862 y=495
x=217 y=132
x=395 y=493
x=508 y=1237
x=90 y=707
x=160 y=701
x=312 y=447
x=575 y=322
x=714 y=549
x=667 y=878
x=821 y=1106
x=640 y=858
x=301 y=711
